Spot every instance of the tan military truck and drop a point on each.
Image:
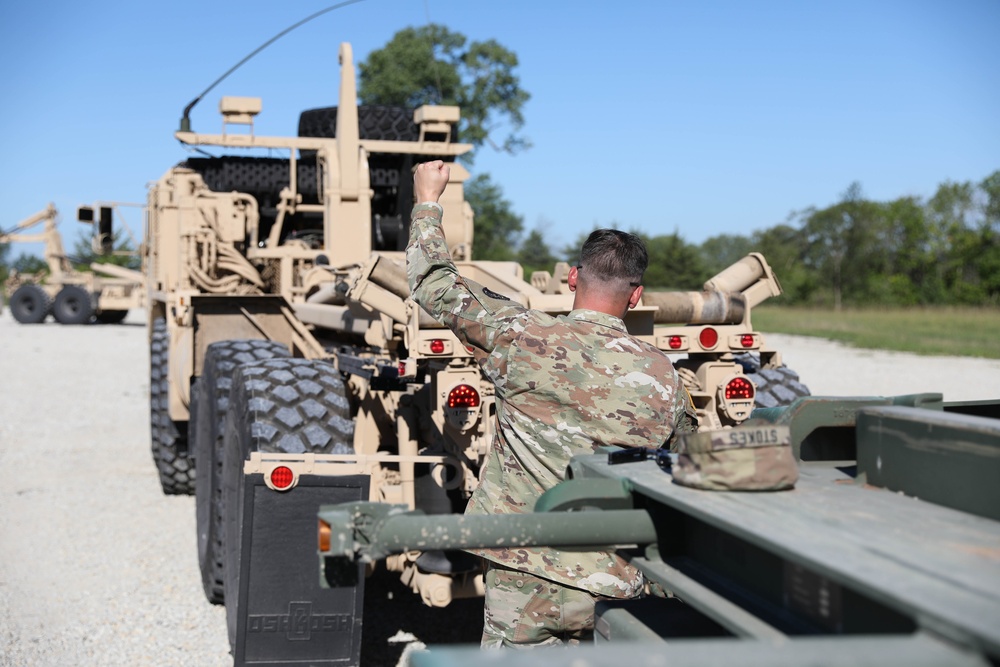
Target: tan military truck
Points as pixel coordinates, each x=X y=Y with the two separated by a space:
x=289 y=367
x=106 y=293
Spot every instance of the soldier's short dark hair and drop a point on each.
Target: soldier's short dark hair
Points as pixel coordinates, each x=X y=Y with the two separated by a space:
x=614 y=256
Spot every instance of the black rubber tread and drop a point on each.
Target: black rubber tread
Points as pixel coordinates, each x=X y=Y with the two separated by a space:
x=288 y=406
x=374 y=122
x=169 y=438
x=111 y=316
x=29 y=304
x=209 y=404
x=775 y=386
x=73 y=305
x=261 y=177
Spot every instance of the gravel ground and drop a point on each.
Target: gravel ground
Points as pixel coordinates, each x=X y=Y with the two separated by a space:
x=97 y=567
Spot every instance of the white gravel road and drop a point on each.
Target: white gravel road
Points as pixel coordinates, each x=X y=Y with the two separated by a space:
x=97 y=567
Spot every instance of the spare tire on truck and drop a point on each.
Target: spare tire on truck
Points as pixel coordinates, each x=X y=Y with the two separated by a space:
x=377 y=121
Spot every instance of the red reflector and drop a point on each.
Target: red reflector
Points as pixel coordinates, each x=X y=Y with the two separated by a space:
x=401 y=369
x=739 y=389
x=437 y=346
x=463 y=396
x=708 y=337
x=675 y=342
x=746 y=340
x=282 y=477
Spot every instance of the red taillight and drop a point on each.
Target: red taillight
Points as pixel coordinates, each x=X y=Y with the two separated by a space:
x=739 y=389
x=282 y=477
x=437 y=346
x=746 y=340
x=675 y=342
x=708 y=338
x=463 y=396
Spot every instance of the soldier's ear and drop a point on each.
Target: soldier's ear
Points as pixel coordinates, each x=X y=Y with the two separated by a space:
x=571 y=278
x=633 y=299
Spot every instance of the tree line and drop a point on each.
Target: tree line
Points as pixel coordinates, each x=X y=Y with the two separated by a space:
x=909 y=251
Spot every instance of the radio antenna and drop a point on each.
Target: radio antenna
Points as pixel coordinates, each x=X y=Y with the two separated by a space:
x=186 y=117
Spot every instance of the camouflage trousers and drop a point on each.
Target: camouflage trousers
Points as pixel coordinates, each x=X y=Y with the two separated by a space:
x=524 y=611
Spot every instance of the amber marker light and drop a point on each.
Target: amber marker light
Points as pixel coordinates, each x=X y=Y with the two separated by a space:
x=324 y=536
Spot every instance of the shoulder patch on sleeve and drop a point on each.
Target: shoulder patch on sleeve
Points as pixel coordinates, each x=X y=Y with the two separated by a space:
x=493 y=295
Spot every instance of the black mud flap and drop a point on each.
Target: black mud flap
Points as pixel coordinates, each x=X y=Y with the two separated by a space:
x=285 y=617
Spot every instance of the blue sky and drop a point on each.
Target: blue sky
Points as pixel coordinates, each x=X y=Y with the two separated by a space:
x=704 y=118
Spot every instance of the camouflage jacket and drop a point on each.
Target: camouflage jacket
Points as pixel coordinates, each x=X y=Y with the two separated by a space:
x=565 y=385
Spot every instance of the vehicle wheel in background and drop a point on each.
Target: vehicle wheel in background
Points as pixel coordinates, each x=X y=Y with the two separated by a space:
x=73 y=305
x=775 y=386
x=111 y=316
x=169 y=438
x=291 y=406
x=374 y=122
x=209 y=404
x=29 y=304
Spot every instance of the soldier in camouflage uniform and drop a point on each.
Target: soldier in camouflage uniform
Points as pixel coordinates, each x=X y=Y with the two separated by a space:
x=565 y=385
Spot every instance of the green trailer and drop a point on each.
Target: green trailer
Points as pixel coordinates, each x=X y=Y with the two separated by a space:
x=886 y=551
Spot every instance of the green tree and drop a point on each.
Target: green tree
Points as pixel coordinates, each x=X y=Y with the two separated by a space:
x=433 y=65
x=497 y=227
x=910 y=277
x=722 y=250
x=29 y=264
x=123 y=254
x=842 y=245
x=990 y=187
x=673 y=263
x=953 y=243
x=784 y=248
x=535 y=254
x=4 y=269
x=988 y=259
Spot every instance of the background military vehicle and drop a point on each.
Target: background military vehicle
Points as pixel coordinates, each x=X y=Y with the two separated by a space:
x=284 y=350
x=884 y=552
x=104 y=294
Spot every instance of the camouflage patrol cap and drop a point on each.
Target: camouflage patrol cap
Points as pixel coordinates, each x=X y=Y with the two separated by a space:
x=746 y=458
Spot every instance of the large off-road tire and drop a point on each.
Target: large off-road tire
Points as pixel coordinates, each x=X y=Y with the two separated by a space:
x=169 y=438
x=374 y=122
x=288 y=406
x=29 y=304
x=111 y=316
x=261 y=177
x=73 y=305
x=209 y=405
x=775 y=386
